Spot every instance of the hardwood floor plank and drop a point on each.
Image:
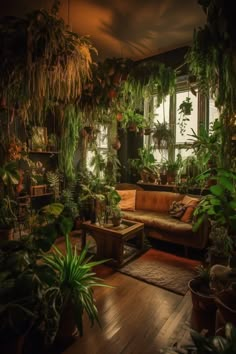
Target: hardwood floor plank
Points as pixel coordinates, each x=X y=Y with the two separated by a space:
x=131 y=315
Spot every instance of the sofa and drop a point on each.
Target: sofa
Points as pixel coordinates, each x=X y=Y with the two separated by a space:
x=152 y=209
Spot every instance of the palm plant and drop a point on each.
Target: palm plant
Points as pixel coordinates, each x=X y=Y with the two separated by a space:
x=77 y=281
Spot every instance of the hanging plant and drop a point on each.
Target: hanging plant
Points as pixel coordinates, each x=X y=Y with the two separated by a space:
x=185 y=109
x=69 y=141
x=162 y=135
x=41 y=62
x=211 y=59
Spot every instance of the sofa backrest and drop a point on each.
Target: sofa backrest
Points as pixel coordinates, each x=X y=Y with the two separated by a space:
x=156 y=200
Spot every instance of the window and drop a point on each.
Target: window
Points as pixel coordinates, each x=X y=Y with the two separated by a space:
x=213 y=111
x=168 y=112
x=182 y=134
x=161 y=114
x=101 y=148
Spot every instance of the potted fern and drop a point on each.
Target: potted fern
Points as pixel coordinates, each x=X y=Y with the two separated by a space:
x=77 y=281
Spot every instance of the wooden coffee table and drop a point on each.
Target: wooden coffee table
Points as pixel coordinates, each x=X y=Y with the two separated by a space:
x=113 y=242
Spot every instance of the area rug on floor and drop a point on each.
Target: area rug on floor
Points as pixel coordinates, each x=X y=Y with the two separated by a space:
x=162 y=269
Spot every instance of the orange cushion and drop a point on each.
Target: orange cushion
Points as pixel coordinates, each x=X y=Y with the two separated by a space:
x=190 y=204
x=128 y=198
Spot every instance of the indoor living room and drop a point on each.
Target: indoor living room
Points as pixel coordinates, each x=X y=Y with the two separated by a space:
x=117 y=177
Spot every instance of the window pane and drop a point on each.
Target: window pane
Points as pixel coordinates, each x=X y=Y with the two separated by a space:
x=161 y=155
x=182 y=134
x=161 y=113
x=183 y=152
x=213 y=111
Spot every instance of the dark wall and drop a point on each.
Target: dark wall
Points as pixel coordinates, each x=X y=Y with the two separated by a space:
x=130 y=143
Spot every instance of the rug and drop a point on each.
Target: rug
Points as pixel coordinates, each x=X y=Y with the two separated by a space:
x=162 y=269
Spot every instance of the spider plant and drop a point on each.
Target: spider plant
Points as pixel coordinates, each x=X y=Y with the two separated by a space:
x=77 y=281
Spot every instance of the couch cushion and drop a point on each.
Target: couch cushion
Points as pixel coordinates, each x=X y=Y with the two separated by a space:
x=128 y=198
x=155 y=200
x=190 y=204
x=157 y=220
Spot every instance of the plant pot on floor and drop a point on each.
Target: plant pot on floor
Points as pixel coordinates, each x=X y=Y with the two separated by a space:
x=226 y=308
x=67 y=330
x=204 y=307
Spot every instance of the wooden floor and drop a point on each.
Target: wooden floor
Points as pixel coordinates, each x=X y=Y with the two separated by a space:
x=136 y=318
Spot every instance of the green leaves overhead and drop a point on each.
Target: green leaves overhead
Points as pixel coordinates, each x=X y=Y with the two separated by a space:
x=42 y=62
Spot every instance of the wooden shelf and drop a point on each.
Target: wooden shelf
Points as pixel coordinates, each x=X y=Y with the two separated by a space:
x=43 y=152
x=40 y=195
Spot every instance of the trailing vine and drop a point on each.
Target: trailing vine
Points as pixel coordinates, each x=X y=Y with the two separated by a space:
x=212 y=60
x=42 y=62
x=69 y=141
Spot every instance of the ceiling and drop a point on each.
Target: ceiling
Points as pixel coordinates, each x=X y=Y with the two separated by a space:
x=124 y=28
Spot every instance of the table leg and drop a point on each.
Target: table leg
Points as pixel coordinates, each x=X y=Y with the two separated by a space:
x=140 y=240
x=83 y=239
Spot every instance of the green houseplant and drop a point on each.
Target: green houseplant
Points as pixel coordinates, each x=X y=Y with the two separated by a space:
x=161 y=135
x=145 y=164
x=30 y=296
x=220 y=204
x=184 y=110
x=221 y=247
x=77 y=281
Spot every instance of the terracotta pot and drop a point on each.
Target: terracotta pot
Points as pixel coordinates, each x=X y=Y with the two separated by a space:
x=147 y=131
x=132 y=127
x=116 y=221
x=116 y=144
x=119 y=117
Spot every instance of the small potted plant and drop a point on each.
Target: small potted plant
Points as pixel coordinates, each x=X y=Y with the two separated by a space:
x=204 y=307
x=116 y=216
x=77 y=280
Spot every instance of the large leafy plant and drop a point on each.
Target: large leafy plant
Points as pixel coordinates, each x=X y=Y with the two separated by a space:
x=77 y=281
x=220 y=204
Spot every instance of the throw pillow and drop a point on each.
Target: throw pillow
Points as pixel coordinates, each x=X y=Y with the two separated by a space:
x=190 y=204
x=177 y=209
x=128 y=198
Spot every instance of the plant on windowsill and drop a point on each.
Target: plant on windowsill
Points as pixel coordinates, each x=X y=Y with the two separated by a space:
x=145 y=164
